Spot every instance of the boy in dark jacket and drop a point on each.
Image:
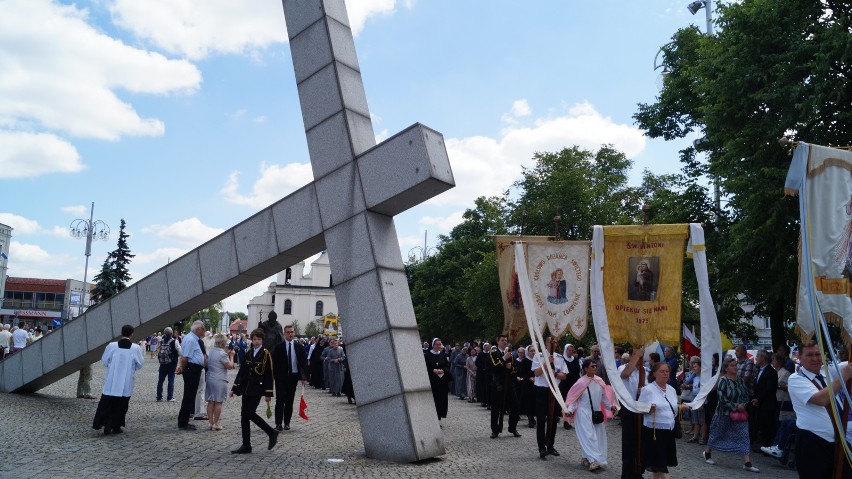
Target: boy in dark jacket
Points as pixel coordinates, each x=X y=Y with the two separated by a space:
x=254 y=380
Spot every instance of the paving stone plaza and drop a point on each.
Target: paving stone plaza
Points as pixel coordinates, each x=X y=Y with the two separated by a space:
x=49 y=435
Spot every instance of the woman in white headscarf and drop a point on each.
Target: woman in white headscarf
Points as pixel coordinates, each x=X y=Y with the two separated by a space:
x=573 y=373
x=438 y=367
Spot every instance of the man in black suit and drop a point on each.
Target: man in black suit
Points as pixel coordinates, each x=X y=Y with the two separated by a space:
x=291 y=365
x=763 y=403
x=254 y=381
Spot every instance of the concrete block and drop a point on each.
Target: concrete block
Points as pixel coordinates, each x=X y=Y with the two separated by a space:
x=384 y=241
x=74 y=340
x=99 y=325
x=300 y=14
x=373 y=368
x=311 y=50
x=184 y=278
x=218 y=258
x=32 y=361
x=329 y=146
x=342 y=44
x=407 y=441
x=361 y=133
x=298 y=223
x=425 y=429
x=405 y=170
x=353 y=254
x=13 y=374
x=352 y=89
x=255 y=241
x=344 y=186
x=319 y=96
x=153 y=291
x=52 y=350
x=409 y=358
x=124 y=307
x=364 y=315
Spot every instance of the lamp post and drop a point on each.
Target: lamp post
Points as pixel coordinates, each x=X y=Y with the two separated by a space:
x=425 y=251
x=92 y=230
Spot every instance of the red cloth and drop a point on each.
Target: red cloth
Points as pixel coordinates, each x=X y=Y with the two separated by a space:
x=303 y=408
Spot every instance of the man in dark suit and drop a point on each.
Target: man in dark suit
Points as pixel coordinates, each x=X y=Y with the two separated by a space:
x=291 y=365
x=254 y=381
x=763 y=403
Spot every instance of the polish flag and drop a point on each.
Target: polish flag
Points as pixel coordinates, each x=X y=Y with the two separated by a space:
x=690 y=344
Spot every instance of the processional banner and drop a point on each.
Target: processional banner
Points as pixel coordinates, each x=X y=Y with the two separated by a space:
x=642 y=282
x=560 y=285
x=822 y=177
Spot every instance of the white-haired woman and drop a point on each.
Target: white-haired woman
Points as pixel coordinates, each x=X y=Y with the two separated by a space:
x=218 y=363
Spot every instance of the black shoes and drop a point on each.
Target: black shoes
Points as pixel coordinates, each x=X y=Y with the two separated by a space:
x=286 y=426
x=273 y=439
x=278 y=428
x=494 y=435
x=531 y=423
x=242 y=450
x=188 y=427
x=515 y=433
x=542 y=453
x=552 y=451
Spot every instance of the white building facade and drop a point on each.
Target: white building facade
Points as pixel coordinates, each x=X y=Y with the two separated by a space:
x=296 y=296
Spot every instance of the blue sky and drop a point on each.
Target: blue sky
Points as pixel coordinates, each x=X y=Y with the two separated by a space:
x=182 y=117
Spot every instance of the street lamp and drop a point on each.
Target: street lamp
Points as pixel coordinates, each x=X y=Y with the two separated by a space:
x=425 y=251
x=92 y=230
x=707 y=5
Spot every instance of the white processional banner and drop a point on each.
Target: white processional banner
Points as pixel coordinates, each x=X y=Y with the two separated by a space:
x=559 y=276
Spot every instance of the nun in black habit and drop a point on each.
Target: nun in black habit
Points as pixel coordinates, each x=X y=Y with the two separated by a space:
x=438 y=367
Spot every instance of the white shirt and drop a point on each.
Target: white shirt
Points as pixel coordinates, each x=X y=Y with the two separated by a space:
x=558 y=367
x=19 y=338
x=290 y=346
x=5 y=338
x=632 y=381
x=809 y=416
x=121 y=366
x=666 y=406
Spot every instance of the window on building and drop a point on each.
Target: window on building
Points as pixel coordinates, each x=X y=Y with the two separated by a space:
x=18 y=300
x=288 y=306
x=319 y=309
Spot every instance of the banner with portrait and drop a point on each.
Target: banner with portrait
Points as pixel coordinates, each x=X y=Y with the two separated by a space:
x=642 y=282
x=822 y=177
x=514 y=319
x=558 y=273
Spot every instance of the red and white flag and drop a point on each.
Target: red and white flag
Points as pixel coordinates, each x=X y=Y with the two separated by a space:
x=689 y=343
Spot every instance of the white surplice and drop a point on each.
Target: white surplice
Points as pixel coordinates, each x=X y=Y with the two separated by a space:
x=121 y=365
x=592 y=437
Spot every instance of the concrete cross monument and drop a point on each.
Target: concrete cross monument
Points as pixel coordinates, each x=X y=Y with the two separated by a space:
x=348 y=209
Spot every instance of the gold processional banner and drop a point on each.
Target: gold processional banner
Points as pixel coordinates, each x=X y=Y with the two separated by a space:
x=514 y=319
x=825 y=260
x=642 y=282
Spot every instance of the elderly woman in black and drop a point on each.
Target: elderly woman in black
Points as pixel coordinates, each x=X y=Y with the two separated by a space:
x=438 y=367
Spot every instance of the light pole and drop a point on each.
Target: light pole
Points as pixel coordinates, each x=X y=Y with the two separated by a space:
x=92 y=230
x=425 y=251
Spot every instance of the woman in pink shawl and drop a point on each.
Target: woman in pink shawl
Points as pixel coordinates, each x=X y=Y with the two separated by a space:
x=588 y=396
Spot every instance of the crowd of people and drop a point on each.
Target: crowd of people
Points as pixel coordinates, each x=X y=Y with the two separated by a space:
x=14 y=338
x=272 y=363
x=770 y=404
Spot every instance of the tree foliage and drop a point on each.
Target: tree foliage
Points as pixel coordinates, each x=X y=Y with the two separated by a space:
x=211 y=316
x=776 y=68
x=114 y=274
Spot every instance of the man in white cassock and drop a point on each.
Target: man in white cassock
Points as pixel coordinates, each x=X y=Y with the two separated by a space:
x=122 y=359
x=590 y=397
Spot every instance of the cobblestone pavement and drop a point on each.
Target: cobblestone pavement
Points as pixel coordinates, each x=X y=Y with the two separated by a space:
x=49 y=435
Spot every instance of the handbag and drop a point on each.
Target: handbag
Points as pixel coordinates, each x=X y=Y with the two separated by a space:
x=597 y=416
x=738 y=416
x=678 y=429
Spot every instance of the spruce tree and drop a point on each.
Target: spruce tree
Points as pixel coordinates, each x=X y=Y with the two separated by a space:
x=119 y=259
x=104 y=283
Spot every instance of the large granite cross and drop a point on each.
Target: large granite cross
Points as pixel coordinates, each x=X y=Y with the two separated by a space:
x=348 y=209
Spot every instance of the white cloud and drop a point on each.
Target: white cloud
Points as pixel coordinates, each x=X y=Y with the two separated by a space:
x=275 y=182
x=24 y=155
x=198 y=29
x=158 y=258
x=443 y=223
x=484 y=166
x=521 y=108
x=191 y=231
x=20 y=224
x=59 y=73
x=74 y=210
x=27 y=254
x=260 y=119
x=60 y=232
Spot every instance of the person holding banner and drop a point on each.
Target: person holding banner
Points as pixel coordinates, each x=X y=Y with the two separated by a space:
x=632 y=374
x=504 y=395
x=547 y=414
x=659 y=451
x=590 y=404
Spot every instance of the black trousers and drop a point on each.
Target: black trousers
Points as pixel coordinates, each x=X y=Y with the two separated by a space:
x=631 y=430
x=543 y=401
x=191 y=377
x=815 y=457
x=285 y=391
x=504 y=400
x=248 y=412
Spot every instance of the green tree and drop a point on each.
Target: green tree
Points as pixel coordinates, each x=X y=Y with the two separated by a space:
x=104 y=283
x=237 y=315
x=312 y=329
x=114 y=274
x=776 y=68
x=211 y=316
